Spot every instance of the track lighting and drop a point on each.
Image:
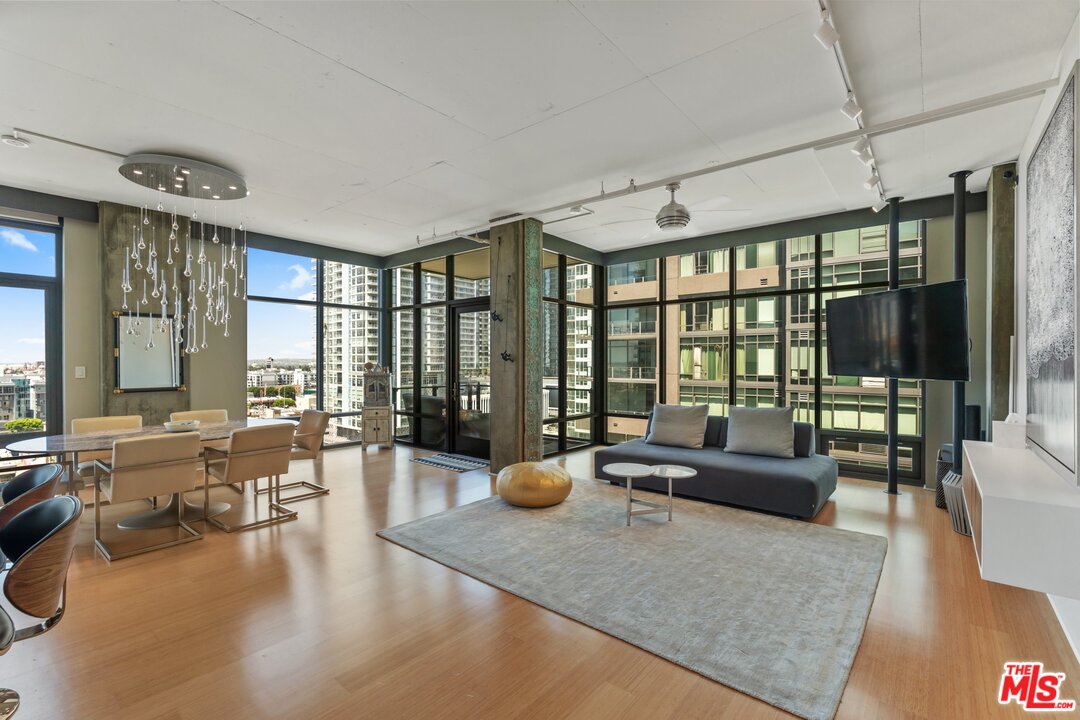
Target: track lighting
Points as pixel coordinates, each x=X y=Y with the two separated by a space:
x=881 y=205
x=851 y=108
x=860 y=145
x=866 y=157
x=826 y=34
x=872 y=181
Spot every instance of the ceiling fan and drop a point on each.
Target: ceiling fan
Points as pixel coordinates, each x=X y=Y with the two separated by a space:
x=674 y=217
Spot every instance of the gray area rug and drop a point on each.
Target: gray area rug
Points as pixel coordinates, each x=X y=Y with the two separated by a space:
x=774 y=608
x=450 y=461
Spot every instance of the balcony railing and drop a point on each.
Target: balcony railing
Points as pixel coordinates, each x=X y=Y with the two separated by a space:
x=643 y=327
x=631 y=373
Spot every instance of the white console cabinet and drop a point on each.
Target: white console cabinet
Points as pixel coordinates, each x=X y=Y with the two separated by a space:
x=1025 y=519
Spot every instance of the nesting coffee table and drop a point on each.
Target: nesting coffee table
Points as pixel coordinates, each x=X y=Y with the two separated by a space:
x=632 y=471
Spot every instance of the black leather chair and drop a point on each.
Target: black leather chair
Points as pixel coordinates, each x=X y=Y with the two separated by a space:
x=39 y=541
x=28 y=488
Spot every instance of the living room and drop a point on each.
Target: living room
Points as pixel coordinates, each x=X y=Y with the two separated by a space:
x=601 y=359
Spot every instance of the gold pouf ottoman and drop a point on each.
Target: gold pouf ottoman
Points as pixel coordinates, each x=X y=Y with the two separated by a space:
x=533 y=484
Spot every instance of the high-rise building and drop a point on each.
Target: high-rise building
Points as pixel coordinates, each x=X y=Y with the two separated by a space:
x=350 y=336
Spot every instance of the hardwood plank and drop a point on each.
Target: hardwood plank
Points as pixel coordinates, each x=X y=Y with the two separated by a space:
x=321 y=618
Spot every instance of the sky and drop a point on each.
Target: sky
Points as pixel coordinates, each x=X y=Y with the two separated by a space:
x=22 y=311
x=275 y=330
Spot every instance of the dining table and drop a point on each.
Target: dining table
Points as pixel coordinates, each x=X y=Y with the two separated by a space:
x=66 y=449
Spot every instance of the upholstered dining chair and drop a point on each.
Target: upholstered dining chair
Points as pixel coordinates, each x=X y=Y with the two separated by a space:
x=39 y=541
x=147 y=467
x=210 y=417
x=28 y=488
x=256 y=452
x=84 y=469
x=307 y=445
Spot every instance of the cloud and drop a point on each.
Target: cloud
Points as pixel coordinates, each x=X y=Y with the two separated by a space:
x=31 y=341
x=302 y=278
x=306 y=296
x=14 y=238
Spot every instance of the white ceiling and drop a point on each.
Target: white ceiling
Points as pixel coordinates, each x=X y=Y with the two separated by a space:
x=362 y=125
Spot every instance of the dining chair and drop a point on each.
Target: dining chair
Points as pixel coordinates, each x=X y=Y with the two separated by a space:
x=84 y=462
x=39 y=541
x=307 y=445
x=28 y=488
x=253 y=453
x=206 y=416
x=146 y=467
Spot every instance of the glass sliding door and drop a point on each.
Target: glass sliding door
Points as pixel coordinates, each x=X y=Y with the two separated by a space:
x=471 y=382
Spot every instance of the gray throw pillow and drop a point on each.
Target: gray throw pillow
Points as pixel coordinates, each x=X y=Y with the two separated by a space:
x=761 y=431
x=678 y=425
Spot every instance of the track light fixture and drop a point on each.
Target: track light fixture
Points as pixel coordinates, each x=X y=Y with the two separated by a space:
x=851 y=108
x=881 y=205
x=860 y=145
x=826 y=34
x=872 y=181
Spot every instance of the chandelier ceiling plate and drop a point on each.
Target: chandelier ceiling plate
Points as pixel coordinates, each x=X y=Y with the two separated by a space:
x=183 y=177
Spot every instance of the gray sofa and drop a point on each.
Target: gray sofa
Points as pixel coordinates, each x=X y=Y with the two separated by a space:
x=796 y=487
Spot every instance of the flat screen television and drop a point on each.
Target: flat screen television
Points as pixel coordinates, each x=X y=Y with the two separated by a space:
x=918 y=332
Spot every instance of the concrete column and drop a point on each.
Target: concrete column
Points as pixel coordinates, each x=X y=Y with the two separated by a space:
x=516 y=379
x=1000 y=283
x=114 y=225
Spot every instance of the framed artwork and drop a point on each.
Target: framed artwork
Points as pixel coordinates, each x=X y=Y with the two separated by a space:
x=1052 y=399
x=145 y=357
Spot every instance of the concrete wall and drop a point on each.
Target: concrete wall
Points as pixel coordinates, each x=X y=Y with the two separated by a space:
x=92 y=263
x=939 y=268
x=83 y=320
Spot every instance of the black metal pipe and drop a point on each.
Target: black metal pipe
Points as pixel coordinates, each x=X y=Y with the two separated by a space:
x=959 y=273
x=893 y=401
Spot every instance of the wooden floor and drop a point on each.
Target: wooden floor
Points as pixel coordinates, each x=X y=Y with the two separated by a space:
x=319 y=618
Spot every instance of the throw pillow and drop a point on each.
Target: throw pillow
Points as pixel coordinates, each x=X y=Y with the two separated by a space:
x=678 y=425
x=761 y=431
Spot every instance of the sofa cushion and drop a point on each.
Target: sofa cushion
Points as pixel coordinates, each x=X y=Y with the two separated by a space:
x=761 y=431
x=678 y=425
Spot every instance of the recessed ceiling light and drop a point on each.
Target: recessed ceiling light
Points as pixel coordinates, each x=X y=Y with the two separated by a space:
x=179 y=178
x=185 y=171
x=232 y=187
x=137 y=172
x=216 y=197
x=179 y=185
x=161 y=187
x=205 y=187
x=15 y=141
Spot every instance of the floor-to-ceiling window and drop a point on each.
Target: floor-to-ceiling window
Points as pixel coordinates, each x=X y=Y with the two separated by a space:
x=30 y=353
x=312 y=326
x=441 y=350
x=744 y=325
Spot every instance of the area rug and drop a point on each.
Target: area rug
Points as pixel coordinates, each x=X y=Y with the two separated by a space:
x=450 y=461
x=772 y=607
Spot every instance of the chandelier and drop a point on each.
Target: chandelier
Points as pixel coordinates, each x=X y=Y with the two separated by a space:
x=190 y=271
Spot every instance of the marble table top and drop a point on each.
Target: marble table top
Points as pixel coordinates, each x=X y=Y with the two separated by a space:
x=98 y=441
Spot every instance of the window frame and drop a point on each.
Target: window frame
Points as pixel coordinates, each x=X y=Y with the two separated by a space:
x=53 y=289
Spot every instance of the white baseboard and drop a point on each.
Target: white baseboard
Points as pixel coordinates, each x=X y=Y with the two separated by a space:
x=1068 y=614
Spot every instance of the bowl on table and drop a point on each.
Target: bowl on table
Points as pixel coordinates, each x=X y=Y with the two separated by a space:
x=181 y=425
